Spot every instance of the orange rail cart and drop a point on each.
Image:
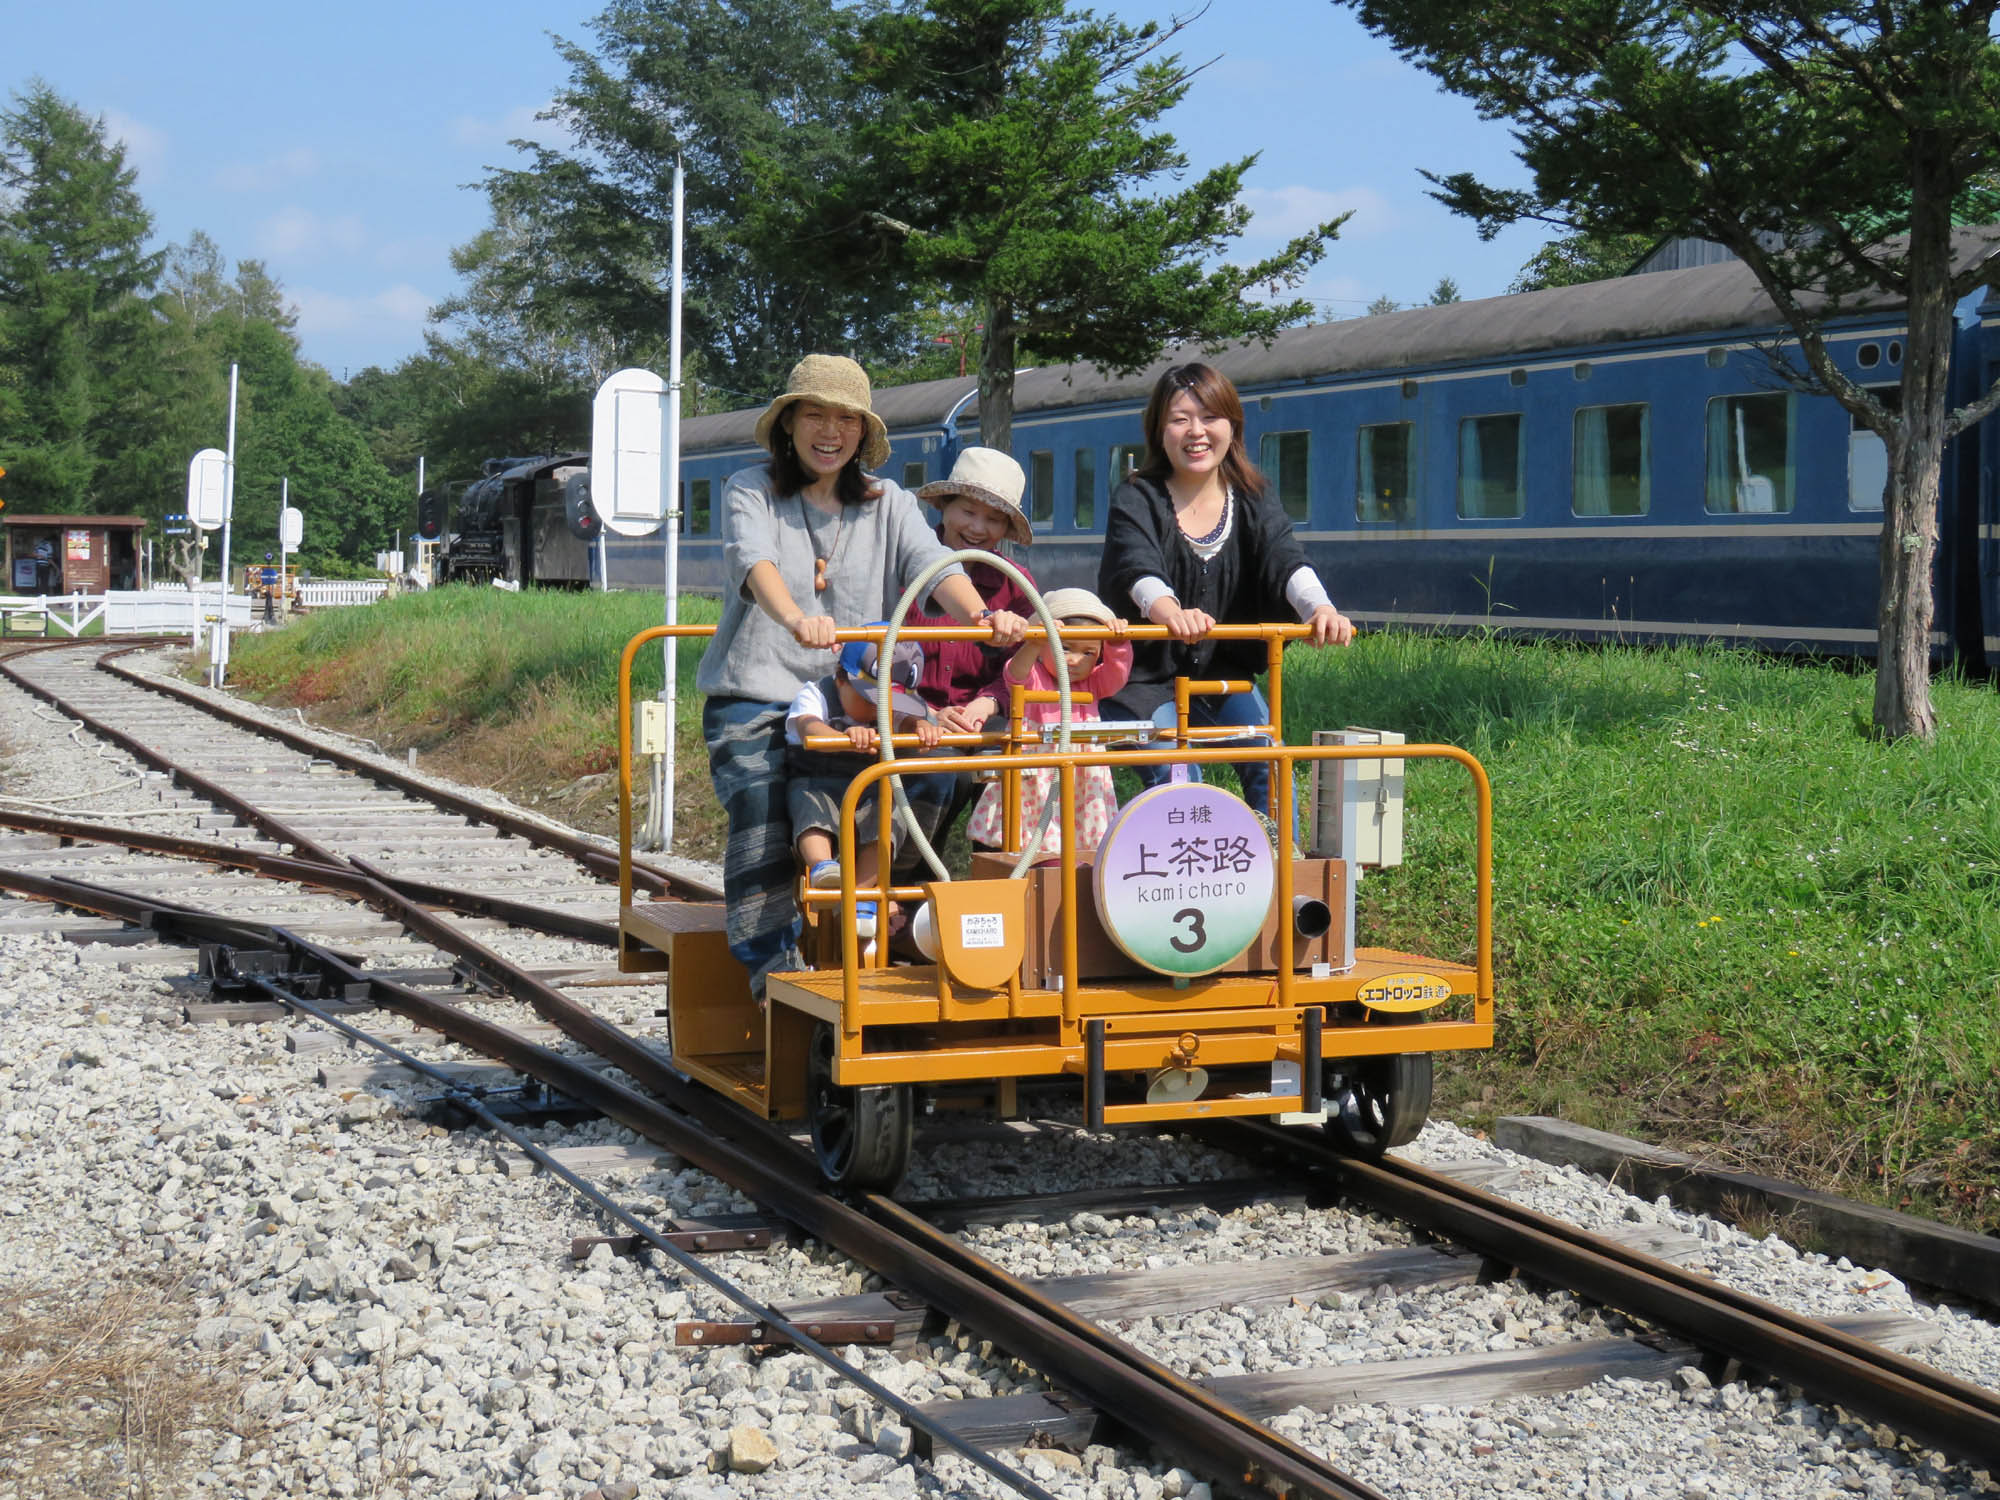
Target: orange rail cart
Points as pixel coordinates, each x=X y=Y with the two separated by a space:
x=1195 y=965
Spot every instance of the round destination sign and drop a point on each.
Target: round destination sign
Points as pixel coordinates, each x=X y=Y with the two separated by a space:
x=1184 y=878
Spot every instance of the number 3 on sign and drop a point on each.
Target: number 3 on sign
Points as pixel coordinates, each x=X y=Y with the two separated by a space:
x=1196 y=934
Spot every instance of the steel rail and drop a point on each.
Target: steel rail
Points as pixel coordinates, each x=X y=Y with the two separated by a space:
x=469 y=1100
x=602 y=863
x=1134 y=1390
x=1829 y=1365
x=339 y=878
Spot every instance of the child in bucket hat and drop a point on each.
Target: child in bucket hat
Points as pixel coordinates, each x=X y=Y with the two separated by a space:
x=1096 y=667
x=844 y=703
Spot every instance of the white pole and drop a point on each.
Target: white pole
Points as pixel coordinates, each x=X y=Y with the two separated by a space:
x=284 y=504
x=220 y=656
x=661 y=819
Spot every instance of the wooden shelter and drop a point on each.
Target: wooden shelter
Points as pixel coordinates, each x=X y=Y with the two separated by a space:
x=72 y=554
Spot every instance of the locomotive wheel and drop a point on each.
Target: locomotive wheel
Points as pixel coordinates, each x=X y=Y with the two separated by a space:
x=1373 y=1103
x=861 y=1136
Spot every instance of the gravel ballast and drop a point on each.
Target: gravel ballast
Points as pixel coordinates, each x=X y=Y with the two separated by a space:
x=374 y=1307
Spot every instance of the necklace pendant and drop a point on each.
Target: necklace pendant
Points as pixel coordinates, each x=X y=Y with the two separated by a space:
x=819 y=575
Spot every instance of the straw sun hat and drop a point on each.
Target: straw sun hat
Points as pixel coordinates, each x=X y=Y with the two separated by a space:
x=990 y=477
x=831 y=380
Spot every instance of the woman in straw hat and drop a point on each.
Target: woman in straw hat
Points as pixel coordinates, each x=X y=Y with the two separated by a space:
x=810 y=540
x=979 y=508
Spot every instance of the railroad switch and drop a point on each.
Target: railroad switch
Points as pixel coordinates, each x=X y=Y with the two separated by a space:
x=880 y=1331
x=228 y=971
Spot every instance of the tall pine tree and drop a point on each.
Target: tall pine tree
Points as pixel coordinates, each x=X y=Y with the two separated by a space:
x=73 y=273
x=1006 y=155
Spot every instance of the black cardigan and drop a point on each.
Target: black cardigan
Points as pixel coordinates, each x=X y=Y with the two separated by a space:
x=1243 y=584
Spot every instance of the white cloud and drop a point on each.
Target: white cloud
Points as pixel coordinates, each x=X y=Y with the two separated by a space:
x=249 y=177
x=400 y=309
x=294 y=230
x=518 y=124
x=1281 y=213
x=145 y=146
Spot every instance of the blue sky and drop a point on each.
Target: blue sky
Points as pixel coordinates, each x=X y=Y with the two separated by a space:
x=336 y=143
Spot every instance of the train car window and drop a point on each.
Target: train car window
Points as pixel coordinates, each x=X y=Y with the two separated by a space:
x=1409 y=390
x=1580 y=370
x=1285 y=458
x=1868 y=456
x=1750 y=444
x=1385 y=472
x=1717 y=358
x=1611 y=471
x=1125 y=457
x=1041 y=487
x=1083 y=510
x=697 y=507
x=1895 y=352
x=1517 y=377
x=913 y=475
x=1868 y=356
x=1490 y=483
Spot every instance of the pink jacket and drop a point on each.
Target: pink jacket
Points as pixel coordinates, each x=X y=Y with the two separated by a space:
x=1104 y=679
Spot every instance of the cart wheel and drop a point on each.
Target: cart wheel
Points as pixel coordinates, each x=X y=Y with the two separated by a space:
x=1373 y=1103
x=860 y=1135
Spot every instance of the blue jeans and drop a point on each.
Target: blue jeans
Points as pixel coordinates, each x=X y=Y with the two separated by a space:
x=746 y=761
x=1234 y=708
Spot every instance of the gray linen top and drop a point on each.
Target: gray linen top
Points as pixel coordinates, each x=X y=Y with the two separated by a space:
x=881 y=545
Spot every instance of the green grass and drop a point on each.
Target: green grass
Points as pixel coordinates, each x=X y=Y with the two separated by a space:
x=1725 y=917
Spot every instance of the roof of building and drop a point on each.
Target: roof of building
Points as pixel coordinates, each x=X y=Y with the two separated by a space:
x=1699 y=300
x=110 y=523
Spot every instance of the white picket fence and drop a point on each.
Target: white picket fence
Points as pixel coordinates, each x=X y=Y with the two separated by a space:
x=165 y=608
x=157 y=611
x=325 y=593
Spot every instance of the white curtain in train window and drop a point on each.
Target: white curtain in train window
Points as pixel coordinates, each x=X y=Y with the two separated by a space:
x=1612 y=469
x=1489 y=467
x=1750 y=445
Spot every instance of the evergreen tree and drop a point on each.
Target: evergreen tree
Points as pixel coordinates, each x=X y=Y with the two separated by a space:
x=1828 y=146
x=1444 y=293
x=1572 y=259
x=1005 y=147
x=1384 y=304
x=579 y=255
x=73 y=271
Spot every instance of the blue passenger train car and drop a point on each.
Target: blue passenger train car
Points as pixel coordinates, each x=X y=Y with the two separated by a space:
x=1617 y=460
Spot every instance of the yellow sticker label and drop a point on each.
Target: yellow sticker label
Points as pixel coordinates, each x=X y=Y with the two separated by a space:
x=1404 y=992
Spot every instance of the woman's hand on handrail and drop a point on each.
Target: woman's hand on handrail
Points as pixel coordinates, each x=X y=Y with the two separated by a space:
x=814 y=630
x=1008 y=628
x=1181 y=624
x=1330 y=627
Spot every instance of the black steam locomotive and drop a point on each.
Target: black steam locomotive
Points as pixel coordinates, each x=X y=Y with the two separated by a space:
x=525 y=520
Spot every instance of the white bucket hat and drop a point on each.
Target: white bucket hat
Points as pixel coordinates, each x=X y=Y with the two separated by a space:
x=831 y=380
x=990 y=477
x=1078 y=604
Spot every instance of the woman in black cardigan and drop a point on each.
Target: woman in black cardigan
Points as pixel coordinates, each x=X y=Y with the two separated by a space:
x=1194 y=539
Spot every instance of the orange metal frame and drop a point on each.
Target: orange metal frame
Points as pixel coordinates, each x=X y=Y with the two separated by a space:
x=1145 y=1024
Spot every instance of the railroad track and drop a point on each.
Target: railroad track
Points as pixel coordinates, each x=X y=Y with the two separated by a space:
x=279 y=964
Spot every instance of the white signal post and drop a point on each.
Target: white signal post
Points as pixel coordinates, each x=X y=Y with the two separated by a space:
x=207 y=478
x=662 y=820
x=291 y=531
x=635 y=473
x=218 y=658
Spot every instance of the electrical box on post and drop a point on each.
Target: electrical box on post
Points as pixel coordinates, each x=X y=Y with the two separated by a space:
x=1358 y=804
x=652 y=729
